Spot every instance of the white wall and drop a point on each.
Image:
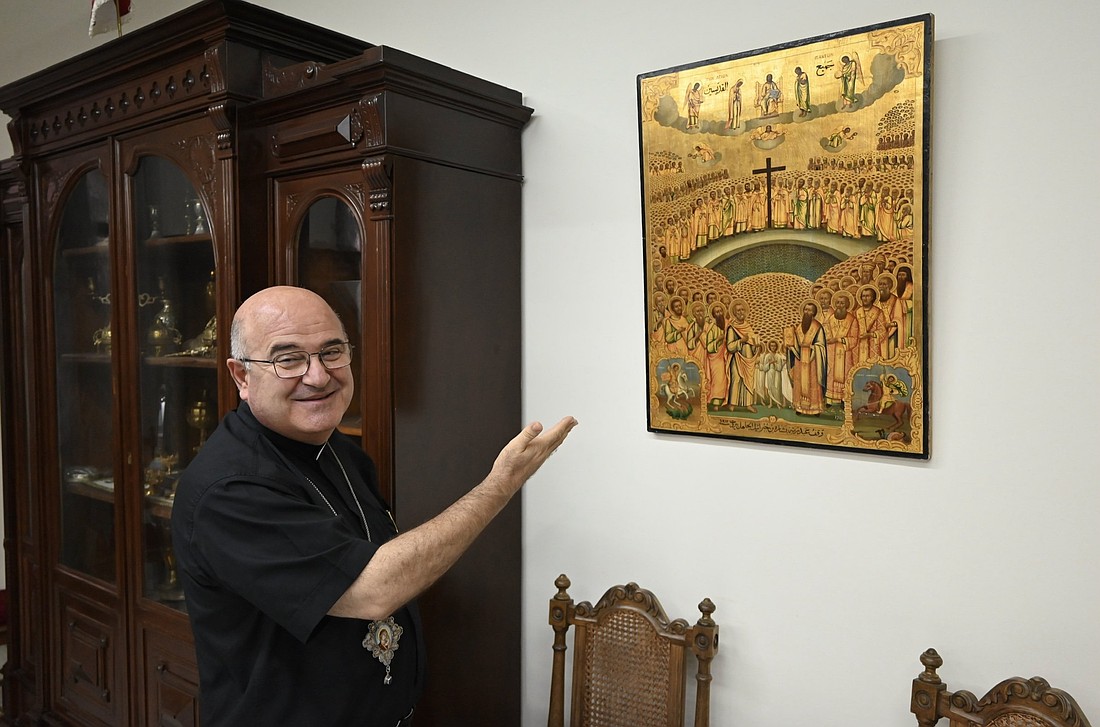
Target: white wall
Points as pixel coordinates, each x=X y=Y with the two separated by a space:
x=831 y=572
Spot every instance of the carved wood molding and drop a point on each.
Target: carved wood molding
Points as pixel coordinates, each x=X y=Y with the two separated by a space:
x=14 y=197
x=379 y=182
x=354 y=193
x=147 y=94
x=368 y=119
x=54 y=181
x=1001 y=701
x=964 y=701
x=200 y=155
x=357 y=193
x=14 y=125
x=315 y=137
x=221 y=115
x=1035 y=692
x=214 y=70
x=277 y=81
x=640 y=597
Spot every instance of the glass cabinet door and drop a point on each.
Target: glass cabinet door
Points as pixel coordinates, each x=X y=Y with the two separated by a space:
x=85 y=397
x=329 y=253
x=177 y=341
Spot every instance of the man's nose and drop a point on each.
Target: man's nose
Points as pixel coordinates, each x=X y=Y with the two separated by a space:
x=316 y=374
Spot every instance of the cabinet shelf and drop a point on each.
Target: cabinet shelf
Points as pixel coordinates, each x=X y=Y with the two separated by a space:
x=75 y=253
x=89 y=358
x=101 y=490
x=159 y=507
x=169 y=242
x=188 y=362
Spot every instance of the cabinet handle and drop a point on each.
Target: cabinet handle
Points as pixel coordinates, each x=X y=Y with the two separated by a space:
x=80 y=675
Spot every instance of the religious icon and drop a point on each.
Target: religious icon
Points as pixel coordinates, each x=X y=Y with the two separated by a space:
x=381 y=640
x=785 y=233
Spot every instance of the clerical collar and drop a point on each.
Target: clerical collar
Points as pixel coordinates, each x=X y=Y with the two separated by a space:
x=294 y=447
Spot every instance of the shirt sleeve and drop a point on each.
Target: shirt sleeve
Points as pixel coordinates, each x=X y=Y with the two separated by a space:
x=287 y=556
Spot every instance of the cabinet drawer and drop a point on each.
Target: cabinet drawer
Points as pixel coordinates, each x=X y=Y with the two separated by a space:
x=92 y=679
x=171 y=680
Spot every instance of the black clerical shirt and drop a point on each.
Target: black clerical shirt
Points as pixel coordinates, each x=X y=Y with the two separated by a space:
x=268 y=536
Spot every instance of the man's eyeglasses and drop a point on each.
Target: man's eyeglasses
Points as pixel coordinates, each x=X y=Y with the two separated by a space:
x=293 y=364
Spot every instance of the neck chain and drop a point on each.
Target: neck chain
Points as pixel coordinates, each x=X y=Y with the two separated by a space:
x=362 y=515
x=382 y=636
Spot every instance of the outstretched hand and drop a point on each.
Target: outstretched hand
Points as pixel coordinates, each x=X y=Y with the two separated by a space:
x=527 y=451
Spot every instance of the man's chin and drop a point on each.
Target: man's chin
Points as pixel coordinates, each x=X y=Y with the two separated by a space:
x=319 y=416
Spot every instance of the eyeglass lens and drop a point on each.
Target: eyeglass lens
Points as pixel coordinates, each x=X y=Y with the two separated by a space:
x=296 y=363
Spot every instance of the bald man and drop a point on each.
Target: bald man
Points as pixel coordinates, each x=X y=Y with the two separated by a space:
x=300 y=590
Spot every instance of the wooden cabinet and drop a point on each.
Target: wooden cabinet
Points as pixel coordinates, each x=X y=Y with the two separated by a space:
x=157 y=182
x=394 y=189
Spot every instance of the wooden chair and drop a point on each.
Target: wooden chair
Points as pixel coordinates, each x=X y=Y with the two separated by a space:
x=1014 y=702
x=629 y=660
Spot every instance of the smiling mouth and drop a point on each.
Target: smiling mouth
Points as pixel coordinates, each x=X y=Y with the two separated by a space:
x=323 y=397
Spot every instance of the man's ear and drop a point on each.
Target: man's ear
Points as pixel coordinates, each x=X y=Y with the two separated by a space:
x=240 y=376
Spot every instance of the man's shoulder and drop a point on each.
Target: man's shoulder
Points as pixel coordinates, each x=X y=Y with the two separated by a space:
x=235 y=451
x=230 y=444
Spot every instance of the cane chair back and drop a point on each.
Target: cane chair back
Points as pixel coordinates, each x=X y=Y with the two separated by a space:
x=629 y=661
x=1015 y=702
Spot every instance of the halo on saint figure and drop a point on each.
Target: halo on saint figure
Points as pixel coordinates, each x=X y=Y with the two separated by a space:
x=846 y=296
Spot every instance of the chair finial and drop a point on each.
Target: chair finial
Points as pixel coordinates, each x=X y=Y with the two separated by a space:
x=562 y=582
x=706 y=607
x=931 y=661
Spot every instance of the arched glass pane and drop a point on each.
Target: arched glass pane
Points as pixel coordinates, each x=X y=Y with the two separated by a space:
x=330 y=248
x=85 y=397
x=177 y=342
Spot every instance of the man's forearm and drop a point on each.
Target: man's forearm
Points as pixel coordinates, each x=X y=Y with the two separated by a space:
x=406 y=566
